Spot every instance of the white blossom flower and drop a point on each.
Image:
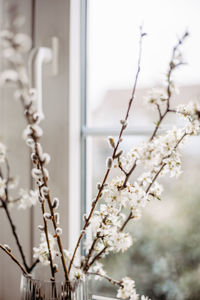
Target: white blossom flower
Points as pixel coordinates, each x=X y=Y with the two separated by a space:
x=78 y=274
x=98 y=268
x=120 y=241
x=42 y=252
x=145 y=178
x=156 y=190
x=127 y=288
x=27 y=199
x=13 y=182
x=8 y=76
x=145 y=298
x=157 y=96
x=22 y=42
x=67 y=254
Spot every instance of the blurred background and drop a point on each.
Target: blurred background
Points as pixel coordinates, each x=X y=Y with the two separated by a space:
x=98 y=52
x=165 y=258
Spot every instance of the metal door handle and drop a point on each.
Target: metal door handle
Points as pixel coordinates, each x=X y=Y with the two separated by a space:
x=37 y=58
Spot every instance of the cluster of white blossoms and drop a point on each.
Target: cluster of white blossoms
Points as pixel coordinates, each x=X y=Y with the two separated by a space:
x=127 y=290
x=98 y=269
x=120 y=199
x=42 y=253
x=157 y=96
x=191 y=114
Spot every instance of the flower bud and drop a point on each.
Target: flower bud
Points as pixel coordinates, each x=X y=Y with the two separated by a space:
x=34 y=158
x=7 y=247
x=109 y=162
x=57 y=218
x=46 y=173
x=41 y=227
x=55 y=268
x=46 y=158
x=58 y=231
x=30 y=142
x=36 y=173
x=45 y=191
x=55 y=203
x=117 y=155
x=47 y=216
x=99 y=185
x=111 y=141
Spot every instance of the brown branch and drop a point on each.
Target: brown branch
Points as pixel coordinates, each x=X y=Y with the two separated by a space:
x=30 y=121
x=115 y=282
x=14 y=259
x=172 y=67
x=87 y=221
x=13 y=228
x=154 y=179
x=33 y=265
x=48 y=242
x=98 y=256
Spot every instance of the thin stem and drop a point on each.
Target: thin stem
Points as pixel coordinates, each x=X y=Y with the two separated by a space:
x=87 y=221
x=153 y=180
x=115 y=282
x=33 y=265
x=13 y=228
x=98 y=256
x=14 y=259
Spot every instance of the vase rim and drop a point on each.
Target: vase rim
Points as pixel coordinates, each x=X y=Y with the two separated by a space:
x=30 y=277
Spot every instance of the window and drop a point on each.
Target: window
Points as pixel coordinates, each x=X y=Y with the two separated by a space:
x=111 y=50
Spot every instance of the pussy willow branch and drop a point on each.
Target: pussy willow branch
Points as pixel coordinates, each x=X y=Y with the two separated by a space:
x=14 y=259
x=30 y=121
x=40 y=165
x=87 y=220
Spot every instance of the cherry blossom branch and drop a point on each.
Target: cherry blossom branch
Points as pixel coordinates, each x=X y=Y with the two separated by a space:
x=115 y=282
x=98 y=256
x=153 y=180
x=14 y=259
x=114 y=155
x=172 y=67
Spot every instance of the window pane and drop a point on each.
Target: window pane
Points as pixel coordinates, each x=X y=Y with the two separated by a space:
x=113 y=30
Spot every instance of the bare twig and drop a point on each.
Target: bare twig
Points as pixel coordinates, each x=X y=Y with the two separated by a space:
x=13 y=228
x=87 y=222
x=14 y=259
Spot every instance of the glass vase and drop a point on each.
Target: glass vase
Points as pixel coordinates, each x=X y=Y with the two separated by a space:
x=34 y=289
